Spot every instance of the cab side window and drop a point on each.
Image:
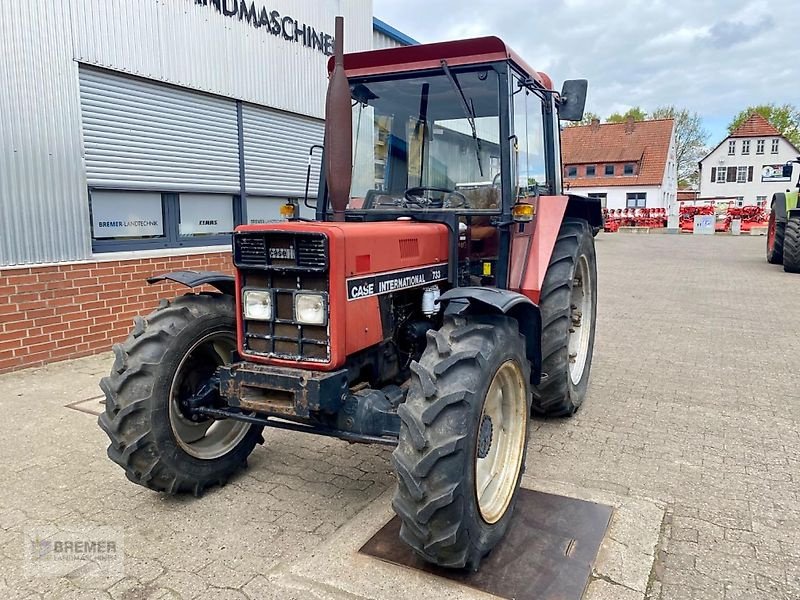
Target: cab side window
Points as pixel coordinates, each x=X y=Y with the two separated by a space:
x=531 y=177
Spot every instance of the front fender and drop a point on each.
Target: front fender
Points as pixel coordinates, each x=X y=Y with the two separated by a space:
x=192 y=279
x=486 y=300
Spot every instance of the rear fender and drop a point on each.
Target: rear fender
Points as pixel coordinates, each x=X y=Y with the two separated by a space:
x=588 y=209
x=792 y=204
x=192 y=279
x=486 y=300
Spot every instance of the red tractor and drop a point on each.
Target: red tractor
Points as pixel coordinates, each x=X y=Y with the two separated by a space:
x=445 y=290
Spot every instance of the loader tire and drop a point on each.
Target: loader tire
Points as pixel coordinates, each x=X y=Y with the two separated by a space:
x=776 y=233
x=168 y=355
x=464 y=424
x=568 y=305
x=791 y=246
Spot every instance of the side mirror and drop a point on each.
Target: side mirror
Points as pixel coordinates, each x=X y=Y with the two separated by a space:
x=787 y=171
x=573 y=99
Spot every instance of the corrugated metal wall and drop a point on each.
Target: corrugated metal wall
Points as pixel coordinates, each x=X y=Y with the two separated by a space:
x=44 y=212
x=380 y=41
x=192 y=45
x=276 y=149
x=143 y=135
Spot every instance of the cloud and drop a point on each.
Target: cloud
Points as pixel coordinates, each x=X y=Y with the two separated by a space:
x=711 y=57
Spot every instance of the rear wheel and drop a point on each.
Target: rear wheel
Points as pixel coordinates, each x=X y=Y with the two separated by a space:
x=791 y=246
x=463 y=431
x=168 y=357
x=776 y=232
x=568 y=306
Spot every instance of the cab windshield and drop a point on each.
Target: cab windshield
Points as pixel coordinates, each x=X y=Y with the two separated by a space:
x=427 y=142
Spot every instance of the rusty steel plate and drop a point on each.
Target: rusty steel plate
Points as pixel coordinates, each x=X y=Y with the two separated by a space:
x=548 y=552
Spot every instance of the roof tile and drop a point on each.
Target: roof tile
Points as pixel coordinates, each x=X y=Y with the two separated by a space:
x=754 y=126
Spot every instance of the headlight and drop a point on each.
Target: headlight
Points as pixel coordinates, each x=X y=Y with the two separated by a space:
x=257 y=305
x=310 y=309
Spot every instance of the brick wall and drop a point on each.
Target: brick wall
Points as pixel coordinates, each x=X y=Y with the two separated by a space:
x=64 y=311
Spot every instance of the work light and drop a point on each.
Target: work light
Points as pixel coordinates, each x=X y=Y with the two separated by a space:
x=257 y=305
x=310 y=309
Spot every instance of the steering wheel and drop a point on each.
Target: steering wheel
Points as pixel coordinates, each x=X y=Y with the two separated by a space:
x=415 y=195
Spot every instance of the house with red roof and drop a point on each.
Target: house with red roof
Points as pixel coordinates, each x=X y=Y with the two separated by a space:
x=625 y=165
x=746 y=167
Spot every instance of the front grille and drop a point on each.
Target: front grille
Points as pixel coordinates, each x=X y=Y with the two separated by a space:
x=312 y=252
x=281 y=250
x=298 y=262
x=251 y=250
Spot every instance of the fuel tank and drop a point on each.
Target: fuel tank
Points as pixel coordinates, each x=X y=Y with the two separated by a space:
x=356 y=263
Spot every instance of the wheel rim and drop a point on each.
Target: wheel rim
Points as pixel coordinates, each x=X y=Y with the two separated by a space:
x=500 y=442
x=771 y=232
x=207 y=438
x=580 y=328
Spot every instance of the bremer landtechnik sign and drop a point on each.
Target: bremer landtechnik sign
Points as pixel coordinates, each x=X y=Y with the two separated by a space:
x=273 y=22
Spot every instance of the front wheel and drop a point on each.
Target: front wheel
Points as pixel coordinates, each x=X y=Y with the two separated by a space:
x=167 y=358
x=791 y=246
x=776 y=232
x=568 y=305
x=463 y=432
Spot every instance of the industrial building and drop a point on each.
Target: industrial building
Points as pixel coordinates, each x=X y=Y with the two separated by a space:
x=136 y=136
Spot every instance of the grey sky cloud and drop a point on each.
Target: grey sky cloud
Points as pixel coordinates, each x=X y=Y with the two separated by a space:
x=712 y=56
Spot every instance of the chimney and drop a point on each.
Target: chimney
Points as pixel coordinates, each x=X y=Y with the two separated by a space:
x=595 y=124
x=629 y=124
x=338 y=130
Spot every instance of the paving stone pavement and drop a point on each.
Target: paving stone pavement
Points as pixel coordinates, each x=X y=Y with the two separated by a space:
x=692 y=404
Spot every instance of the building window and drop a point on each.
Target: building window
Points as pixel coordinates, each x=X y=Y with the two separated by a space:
x=761 y=200
x=572 y=171
x=636 y=199
x=136 y=220
x=609 y=169
x=775 y=146
x=739 y=201
x=760 y=147
x=745 y=146
x=590 y=170
x=741 y=175
x=720 y=174
x=628 y=169
x=731 y=147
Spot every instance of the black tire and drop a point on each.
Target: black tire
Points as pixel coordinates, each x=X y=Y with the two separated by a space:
x=137 y=409
x=791 y=246
x=775 y=245
x=436 y=456
x=557 y=395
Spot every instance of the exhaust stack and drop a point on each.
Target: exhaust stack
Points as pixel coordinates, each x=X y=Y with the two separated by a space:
x=338 y=130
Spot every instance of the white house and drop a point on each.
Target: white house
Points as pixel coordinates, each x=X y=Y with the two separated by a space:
x=746 y=167
x=626 y=165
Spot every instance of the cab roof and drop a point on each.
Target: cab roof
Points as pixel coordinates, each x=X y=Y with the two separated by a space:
x=429 y=56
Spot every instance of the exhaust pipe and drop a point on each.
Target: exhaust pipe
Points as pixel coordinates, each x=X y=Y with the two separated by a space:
x=338 y=130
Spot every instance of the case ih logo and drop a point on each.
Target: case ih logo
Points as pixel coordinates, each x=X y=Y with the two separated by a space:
x=284 y=253
x=383 y=283
x=273 y=22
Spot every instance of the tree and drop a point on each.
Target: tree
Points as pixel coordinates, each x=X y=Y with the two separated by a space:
x=785 y=118
x=587 y=119
x=636 y=112
x=690 y=139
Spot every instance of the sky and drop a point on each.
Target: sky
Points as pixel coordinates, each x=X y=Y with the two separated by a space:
x=712 y=57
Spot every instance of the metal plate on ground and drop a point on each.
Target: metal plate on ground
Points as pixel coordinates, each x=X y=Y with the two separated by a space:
x=547 y=553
